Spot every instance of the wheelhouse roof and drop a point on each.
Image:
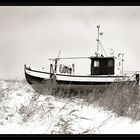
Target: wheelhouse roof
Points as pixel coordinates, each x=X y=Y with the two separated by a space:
x=94 y=57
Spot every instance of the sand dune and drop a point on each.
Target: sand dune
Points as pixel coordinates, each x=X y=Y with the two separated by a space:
x=22 y=111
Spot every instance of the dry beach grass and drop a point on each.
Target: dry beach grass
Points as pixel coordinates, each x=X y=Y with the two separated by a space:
x=61 y=112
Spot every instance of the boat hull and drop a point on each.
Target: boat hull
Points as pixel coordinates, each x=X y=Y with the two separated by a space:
x=43 y=82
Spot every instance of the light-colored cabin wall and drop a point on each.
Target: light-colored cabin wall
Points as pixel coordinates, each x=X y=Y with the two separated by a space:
x=118 y=66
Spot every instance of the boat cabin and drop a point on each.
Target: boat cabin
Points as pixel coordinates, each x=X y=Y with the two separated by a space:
x=102 y=66
x=106 y=66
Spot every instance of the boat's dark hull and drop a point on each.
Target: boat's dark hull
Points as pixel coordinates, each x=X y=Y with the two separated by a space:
x=43 y=85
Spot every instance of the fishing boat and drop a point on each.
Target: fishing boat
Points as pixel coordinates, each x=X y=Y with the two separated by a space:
x=104 y=70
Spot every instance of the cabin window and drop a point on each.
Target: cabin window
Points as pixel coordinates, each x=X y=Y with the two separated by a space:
x=110 y=63
x=96 y=63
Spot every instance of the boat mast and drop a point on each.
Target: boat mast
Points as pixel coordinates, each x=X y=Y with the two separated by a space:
x=56 y=61
x=98 y=26
x=99 y=44
x=97 y=51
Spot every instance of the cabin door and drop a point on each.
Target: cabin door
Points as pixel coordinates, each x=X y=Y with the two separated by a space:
x=103 y=67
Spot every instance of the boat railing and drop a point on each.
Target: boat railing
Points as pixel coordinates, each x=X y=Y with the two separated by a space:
x=131 y=73
x=35 y=68
x=129 y=76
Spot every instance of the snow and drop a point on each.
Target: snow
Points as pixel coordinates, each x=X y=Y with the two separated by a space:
x=22 y=111
x=2 y=84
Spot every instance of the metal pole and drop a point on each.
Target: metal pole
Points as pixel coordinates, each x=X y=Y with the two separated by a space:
x=55 y=69
x=98 y=26
x=51 y=70
x=137 y=83
x=137 y=78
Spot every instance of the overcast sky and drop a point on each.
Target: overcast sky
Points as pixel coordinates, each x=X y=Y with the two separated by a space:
x=32 y=34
